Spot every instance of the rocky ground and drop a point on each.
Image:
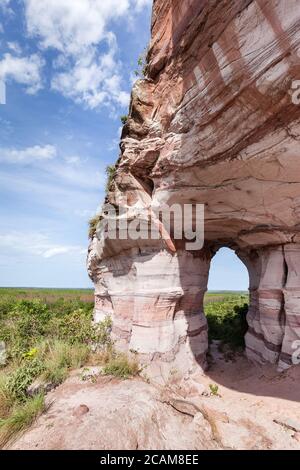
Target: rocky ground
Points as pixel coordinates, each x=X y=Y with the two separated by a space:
x=253 y=408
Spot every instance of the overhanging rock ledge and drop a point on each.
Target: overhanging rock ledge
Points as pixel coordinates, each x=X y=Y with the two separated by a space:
x=214 y=122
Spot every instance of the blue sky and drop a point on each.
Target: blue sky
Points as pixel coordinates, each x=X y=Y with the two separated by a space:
x=68 y=68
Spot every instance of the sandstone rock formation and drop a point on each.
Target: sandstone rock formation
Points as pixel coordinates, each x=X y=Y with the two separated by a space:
x=214 y=122
x=104 y=413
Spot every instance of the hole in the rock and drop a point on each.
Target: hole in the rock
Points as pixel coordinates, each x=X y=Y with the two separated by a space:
x=227 y=299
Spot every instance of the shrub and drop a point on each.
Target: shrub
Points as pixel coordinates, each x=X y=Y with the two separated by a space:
x=214 y=389
x=141 y=71
x=102 y=355
x=26 y=321
x=63 y=355
x=124 y=119
x=75 y=328
x=121 y=366
x=102 y=333
x=93 y=224
x=6 y=306
x=54 y=374
x=43 y=341
x=23 y=328
x=227 y=321
x=110 y=173
x=19 y=380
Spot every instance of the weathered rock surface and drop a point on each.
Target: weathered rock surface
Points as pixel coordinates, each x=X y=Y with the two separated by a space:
x=213 y=123
x=128 y=415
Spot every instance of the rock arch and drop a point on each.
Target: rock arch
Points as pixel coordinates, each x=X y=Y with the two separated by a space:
x=213 y=123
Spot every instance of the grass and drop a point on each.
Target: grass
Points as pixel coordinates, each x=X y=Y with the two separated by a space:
x=214 y=389
x=49 y=332
x=121 y=366
x=93 y=224
x=44 y=341
x=61 y=358
x=46 y=295
x=6 y=399
x=22 y=416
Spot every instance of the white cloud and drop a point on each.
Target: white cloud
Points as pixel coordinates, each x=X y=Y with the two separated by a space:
x=4 y=4
x=77 y=29
x=24 y=70
x=140 y=4
x=14 y=47
x=37 y=244
x=63 y=250
x=28 y=155
x=72 y=26
x=76 y=174
x=114 y=143
x=5 y=8
x=92 y=84
x=63 y=194
x=85 y=213
x=49 y=164
x=72 y=160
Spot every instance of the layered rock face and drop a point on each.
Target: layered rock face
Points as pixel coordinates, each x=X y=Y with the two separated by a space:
x=214 y=122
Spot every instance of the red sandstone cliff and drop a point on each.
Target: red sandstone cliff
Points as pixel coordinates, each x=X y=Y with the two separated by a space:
x=213 y=123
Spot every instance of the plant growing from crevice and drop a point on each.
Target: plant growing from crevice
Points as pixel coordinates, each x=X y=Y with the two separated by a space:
x=93 y=224
x=124 y=119
x=214 y=390
x=141 y=71
x=121 y=366
x=110 y=173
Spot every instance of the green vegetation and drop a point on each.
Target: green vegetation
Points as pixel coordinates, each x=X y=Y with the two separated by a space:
x=141 y=71
x=44 y=341
x=93 y=224
x=19 y=379
x=214 y=389
x=121 y=366
x=9 y=295
x=60 y=358
x=21 y=416
x=226 y=317
x=124 y=119
x=110 y=173
x=48 y=332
